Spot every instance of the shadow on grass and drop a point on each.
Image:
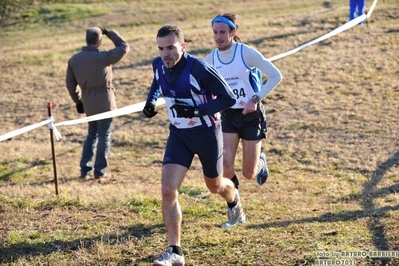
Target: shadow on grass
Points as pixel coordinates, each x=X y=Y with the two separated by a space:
x=369 y=209
x=5 y=177
x=12 y=253
x=369 y=193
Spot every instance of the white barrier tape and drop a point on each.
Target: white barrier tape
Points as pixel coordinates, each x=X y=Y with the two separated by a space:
x=118 y=112
x=139 y=106
x=373 y=5
x=56 y=133
x=23 y=130
x=371 y=8
x=340 y=29
x=344 y=27
x=51 y=124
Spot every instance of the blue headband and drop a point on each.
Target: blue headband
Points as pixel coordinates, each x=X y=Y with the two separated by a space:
x=224 y=20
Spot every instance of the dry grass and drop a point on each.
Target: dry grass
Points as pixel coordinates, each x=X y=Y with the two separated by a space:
x=333 y=145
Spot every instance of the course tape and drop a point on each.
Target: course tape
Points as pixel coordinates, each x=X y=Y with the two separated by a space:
x=139 y=106
x=118 y=112
x=51 y=126
x=340 y=29
x=25 y=129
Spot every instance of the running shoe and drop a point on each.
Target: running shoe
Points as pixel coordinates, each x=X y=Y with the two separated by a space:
x=234 y=214
x=242 y=219
x=169 y=259
x=264 y=172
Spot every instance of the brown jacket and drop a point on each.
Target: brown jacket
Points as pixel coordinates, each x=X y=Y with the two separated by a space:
x=89 y=75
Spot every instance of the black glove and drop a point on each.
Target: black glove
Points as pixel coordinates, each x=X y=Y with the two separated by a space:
x=149 y=109
x=184 y=110
x=79 y=108
x=104 y=31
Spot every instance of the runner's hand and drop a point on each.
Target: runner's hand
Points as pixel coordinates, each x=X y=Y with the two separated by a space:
x=149 y=109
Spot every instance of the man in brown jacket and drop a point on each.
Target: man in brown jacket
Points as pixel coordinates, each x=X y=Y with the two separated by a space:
x=89 y=82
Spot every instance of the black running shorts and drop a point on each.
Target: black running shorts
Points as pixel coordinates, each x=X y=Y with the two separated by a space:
x=207 y=143
x=251 y=126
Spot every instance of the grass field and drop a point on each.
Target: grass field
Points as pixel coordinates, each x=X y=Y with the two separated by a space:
x=332 y=147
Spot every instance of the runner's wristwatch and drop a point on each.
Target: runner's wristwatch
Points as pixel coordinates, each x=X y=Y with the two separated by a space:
x=256 y=98
x=196 y=112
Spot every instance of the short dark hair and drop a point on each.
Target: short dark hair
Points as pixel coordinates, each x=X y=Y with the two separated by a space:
x=171 y=29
